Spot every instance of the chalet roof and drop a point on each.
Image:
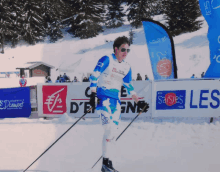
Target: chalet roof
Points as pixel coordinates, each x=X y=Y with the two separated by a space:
x=31 y=65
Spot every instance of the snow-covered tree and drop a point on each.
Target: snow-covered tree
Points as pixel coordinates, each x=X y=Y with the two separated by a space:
x=33 y=29
x=52 y=14
x=182 y=16
x=86 y=18
x=6 y=23
x=137 y=10
x=15 y=27
x=115 y=14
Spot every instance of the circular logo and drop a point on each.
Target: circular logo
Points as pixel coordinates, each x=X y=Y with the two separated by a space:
x=170 y=99
x=164 y=67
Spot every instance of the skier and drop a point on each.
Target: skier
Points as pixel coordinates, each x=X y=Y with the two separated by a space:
x=110 y=73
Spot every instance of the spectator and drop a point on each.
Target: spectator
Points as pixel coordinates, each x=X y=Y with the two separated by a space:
x=85 y=79
x=146 y=78
x=22 y=81
x=193 y=76
x=75 y=79
x=139 y=78
x=62 y=79
x=58 y=79
x=66 y=78
x=48 y=80
x=202 y=75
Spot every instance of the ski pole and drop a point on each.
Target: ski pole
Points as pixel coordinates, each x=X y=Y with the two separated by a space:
x=146 y=106
x=59 y=138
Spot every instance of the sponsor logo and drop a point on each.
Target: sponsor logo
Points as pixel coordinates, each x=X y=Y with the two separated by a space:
x=164 y=67
x=171 y=99
x=118 y=71
x=158 y=40
x=116 y=77
x=100 y=64
x=127 y=104
x=11 y=104
x=54 y=99
x=205 y=99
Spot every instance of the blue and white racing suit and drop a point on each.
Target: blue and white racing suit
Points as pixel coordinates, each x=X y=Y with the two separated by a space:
x=107 y=79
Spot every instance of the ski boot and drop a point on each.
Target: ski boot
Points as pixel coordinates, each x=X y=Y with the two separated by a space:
x=107 y=166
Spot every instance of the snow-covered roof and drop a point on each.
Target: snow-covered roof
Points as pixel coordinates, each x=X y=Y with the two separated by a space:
x=31 y=65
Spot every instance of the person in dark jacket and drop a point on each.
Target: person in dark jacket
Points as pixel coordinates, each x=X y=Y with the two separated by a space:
x=146 y=78
x=62 y=79
x=48 y=79
x=139 y=78
x=66 y=78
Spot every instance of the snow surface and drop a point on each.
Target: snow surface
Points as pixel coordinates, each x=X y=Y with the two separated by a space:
x=145 y=146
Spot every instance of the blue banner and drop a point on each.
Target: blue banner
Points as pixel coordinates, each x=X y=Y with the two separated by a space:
x=211 y=11
x=161 y=50
x=174 y=99
x=15 y=102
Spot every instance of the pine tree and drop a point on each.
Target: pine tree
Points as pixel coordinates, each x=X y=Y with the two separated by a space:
x=131 y=36
x=157 y=7
x=16 y=22
x=52 y=15
x=114 y=16
x=33 y=25
x=86 y=18
x=181 y=16
x=5 y=22
x=137 y=10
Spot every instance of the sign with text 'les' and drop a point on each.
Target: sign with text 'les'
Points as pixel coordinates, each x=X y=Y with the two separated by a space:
x=211 y=11
x=15 y=102
x=161 y=50
x=170 y=99
x=54 y=99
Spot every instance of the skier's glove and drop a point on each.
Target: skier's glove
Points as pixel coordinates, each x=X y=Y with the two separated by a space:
x=142 y=104
x=94 y=100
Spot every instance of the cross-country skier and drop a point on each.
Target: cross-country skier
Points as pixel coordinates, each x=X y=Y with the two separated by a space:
x=110 y=73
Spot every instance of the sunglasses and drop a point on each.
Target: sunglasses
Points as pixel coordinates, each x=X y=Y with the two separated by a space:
x=123 y=50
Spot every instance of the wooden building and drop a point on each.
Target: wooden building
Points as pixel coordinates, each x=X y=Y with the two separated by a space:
x=36 y=69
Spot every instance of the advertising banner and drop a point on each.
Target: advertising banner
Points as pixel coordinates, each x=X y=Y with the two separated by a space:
x=211 y=11
x=51 y=100
x=79 y=95
x=73 y=99
x=161 y=50
x=186 y=98
x=15 y=102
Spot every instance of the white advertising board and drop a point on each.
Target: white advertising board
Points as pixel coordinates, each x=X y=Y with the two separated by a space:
x=78 y=100
x=186 y=98
x=73 y=99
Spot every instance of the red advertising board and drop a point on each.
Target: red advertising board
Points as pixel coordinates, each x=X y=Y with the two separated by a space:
x=54 y=99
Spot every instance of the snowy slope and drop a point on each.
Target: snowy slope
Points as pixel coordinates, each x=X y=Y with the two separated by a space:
x=192 y=53
x=145 y=146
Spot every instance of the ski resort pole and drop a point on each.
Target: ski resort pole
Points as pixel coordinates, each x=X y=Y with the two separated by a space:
x=59 y=138
x=125 y=129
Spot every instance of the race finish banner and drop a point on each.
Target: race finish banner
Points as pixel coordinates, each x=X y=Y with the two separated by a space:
x=161 y=50
x=211 y=11
x=15 y=102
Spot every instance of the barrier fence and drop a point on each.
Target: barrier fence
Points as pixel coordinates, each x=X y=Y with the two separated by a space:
x=169 y=100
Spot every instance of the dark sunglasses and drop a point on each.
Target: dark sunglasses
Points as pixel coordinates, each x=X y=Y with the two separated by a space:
x=123 y=50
